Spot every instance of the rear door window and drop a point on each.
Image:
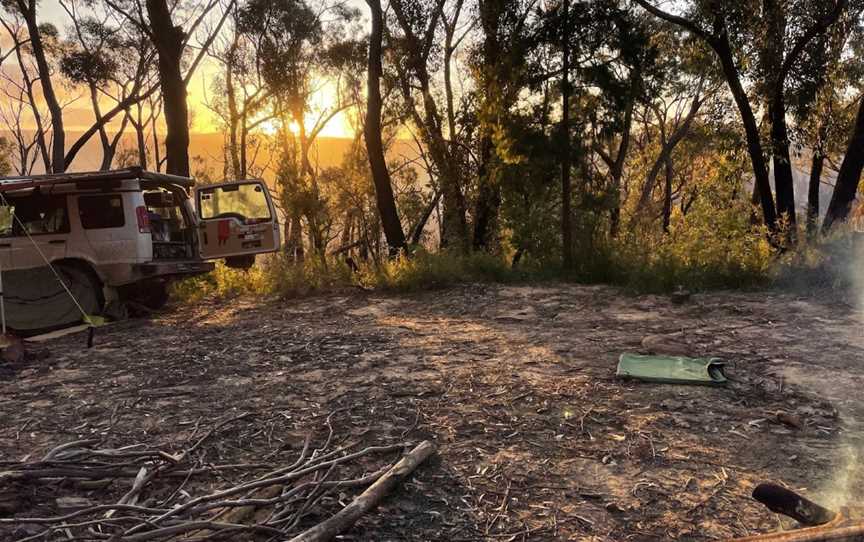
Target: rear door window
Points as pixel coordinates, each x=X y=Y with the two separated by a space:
x=101 y=212
x=246 y=202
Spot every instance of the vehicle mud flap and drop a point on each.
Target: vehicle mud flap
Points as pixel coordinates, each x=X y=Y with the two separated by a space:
x=37 y=302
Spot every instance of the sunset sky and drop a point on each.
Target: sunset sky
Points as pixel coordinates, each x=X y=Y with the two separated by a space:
x=78 y=115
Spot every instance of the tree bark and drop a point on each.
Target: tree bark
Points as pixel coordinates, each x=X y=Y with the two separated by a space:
x=454 y=224
x=849 y=176
x=667 y=194
x=488 y=203
x=667 y=150
x=719 y=43
x=772 y=57
x=384 y=197
x=168 y=40
x=417 y=231
x=58 y=134
x=751 y=130
x=817 y=165
x=233 y=114
x=566 y=186
x=784 y=183
x=621 y=156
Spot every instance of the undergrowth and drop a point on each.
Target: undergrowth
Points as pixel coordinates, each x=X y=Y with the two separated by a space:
x=717 y=253
x=645 y=268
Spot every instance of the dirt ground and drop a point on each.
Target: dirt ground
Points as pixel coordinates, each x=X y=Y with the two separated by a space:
x=537 y=439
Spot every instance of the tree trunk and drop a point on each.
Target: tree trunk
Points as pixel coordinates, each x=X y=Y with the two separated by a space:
x=58 y=134
x=784 y=183
x=168 y=40
x=751 y=130
x=233 y=114
x=667 y=194
x=103 y=134
x=772 y=59
x=849 y=176
x=454 y=221
x=566 y=187
x=488 y=202
x=667 y=149
x=294 y=244
x=140 y=136
x=816 y=168
x=372 y=133
x=488 y=197
x=454 y=225
x=621 y=156
x=417 y=231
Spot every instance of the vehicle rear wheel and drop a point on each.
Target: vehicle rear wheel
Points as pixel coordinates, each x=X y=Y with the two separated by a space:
x=37 y=302
x=152 y=295
x=84 y=286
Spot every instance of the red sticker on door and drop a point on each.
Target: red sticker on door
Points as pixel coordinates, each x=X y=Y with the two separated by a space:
x=224 y=231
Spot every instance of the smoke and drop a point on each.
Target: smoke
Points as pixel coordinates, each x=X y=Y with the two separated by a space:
x=844 y=262
x=845 y=488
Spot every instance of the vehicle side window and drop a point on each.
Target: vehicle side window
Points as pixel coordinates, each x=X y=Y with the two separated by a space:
x=34 y=215
x=101 y=212
x=6 y=212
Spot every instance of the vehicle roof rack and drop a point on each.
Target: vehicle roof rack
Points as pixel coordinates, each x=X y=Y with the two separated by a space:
x=31 y=181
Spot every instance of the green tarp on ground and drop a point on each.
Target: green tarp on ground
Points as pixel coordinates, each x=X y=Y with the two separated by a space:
x=672 y=369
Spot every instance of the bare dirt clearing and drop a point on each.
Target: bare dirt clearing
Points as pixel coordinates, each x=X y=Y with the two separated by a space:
x=537 y=438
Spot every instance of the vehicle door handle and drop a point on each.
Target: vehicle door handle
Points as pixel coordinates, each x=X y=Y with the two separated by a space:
x=57 y=242
x=5 y=245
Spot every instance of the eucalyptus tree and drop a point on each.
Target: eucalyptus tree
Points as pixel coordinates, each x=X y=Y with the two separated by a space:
x=761 y=41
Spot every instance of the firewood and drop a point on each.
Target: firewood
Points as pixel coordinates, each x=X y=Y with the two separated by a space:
x=369 y=499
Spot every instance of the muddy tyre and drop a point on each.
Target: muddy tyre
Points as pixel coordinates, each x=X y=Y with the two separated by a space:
x=36 y=302
x=84 y=285
x=150 y=296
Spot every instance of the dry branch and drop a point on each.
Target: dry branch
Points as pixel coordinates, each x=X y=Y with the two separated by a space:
x=369 y=499
x=276 y=503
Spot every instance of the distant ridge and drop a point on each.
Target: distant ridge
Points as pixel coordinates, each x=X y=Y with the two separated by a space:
x=326 y=152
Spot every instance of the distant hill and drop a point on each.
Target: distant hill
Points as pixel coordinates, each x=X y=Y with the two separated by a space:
x=327 y=151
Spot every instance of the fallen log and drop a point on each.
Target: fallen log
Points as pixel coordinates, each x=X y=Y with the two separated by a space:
x=780 y=500
x=369 y=499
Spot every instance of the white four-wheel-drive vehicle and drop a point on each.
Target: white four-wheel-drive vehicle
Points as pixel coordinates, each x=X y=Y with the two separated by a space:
x=115 y=236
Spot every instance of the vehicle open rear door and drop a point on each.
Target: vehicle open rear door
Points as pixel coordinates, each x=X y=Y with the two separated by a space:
x=237 y=221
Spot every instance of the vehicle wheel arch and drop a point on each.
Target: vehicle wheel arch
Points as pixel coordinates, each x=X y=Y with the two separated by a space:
x=86 y=267
x=82 y=264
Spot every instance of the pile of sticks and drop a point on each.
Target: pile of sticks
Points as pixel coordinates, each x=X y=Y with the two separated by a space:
x=272 y=503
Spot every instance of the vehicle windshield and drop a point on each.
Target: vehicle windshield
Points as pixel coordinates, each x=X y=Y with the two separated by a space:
x=245 y=201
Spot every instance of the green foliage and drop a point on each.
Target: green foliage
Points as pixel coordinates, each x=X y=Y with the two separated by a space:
x=713 y=248
x=285 y=34
x=424 y=271
x=272 y=276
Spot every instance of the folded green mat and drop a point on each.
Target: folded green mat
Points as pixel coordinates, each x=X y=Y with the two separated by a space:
x=672 y=369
